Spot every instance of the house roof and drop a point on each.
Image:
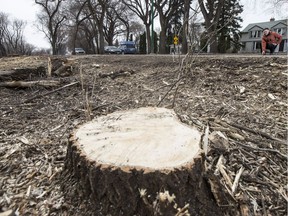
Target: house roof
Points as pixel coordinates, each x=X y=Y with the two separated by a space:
x=262 y=25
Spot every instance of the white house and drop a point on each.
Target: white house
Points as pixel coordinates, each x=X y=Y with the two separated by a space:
x=251 y=36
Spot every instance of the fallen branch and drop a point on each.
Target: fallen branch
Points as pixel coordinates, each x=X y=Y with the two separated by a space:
x=263 y=149
x=206 y=141
x=116 y=74
x=170 y=89
x=241 y=127
x=221 y=169
x=183 y=211
x=28 y=84
x=51 y=92
x=223 y=197
x=263 y=206
x=7 y=213
x=100 y=106
x=236 y=180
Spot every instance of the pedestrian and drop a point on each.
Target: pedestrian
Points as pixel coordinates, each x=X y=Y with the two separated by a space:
x=270 y=40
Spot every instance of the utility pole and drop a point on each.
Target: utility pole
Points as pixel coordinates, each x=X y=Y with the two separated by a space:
x=152 y=26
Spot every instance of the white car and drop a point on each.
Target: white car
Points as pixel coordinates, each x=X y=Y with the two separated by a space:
x=79 y=51
x=112 y=50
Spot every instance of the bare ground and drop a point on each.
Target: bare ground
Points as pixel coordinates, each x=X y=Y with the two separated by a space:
x=239 y=102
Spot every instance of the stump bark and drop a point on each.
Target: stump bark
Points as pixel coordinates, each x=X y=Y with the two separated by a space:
x=23 y=74
x=139 y=162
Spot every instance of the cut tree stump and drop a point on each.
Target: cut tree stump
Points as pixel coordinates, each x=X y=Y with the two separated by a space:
x=23 y=74
x=139 y=162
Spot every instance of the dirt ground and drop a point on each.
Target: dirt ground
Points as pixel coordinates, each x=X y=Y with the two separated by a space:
x=239 y=102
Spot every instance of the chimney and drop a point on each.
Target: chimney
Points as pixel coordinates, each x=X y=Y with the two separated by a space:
x=272 y=19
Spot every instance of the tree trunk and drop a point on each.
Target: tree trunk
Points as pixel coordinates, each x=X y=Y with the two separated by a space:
x=185 y=26
x=139 y=162
x=99 y=21
x=211 y=16
x=2 y=50
x=213 y=43
x=148 y=38
x=101 y=39
x=162 y=44
x=74 y=37
x=54 y=45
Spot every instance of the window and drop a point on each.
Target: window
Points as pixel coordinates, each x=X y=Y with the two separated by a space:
x=280 y=31
x=255 y=34
x=130 y=45
x=256 y=45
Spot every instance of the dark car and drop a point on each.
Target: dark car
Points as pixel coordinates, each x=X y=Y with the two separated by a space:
x=112 y=50
x=79 y=51
x=128 y=47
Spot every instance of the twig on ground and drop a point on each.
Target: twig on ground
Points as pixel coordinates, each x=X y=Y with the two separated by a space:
x=236 y=180
x=257 y=132
x=170 y=89
x=50 y=92
x=263 y=206
x=221 y=169
x=263 y=149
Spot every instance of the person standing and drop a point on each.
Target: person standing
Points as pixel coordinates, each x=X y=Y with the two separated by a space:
x=270 y=40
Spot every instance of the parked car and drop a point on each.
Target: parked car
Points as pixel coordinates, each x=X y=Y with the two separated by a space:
x=128 y=47
x=79 y=51
x=112 y=50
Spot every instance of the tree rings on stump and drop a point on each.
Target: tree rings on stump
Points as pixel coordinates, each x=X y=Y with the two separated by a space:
x=126 y=162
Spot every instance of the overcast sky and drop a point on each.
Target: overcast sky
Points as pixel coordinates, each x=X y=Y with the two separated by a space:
x=254 y=11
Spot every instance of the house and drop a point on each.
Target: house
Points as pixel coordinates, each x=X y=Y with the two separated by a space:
x=251 y=36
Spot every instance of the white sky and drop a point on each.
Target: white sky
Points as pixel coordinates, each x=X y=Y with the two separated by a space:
x=25 y=10
x=254 y=11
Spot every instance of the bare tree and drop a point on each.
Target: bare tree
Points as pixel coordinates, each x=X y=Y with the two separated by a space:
x=113 y=24
x=89 y=34
x=3 y=28
x=125 y=16
x=211 y=11
x=136 y=29
x=187 y=4
x=143 y=10
x=166 y=10
x=277 y=6
x=29 y=49
x=15 y=42
x=196 y=29
x=12 y=39
x=279 y=3
x=52 y=22
x=98 y=10
x=77 y=15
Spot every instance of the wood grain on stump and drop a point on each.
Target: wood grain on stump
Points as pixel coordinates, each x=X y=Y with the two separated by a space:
x=114 y=157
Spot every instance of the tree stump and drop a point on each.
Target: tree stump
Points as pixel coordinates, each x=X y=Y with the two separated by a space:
x=23 y=74
x=139 y=162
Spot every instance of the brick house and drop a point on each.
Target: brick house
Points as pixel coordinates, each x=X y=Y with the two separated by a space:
x=251 y=36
